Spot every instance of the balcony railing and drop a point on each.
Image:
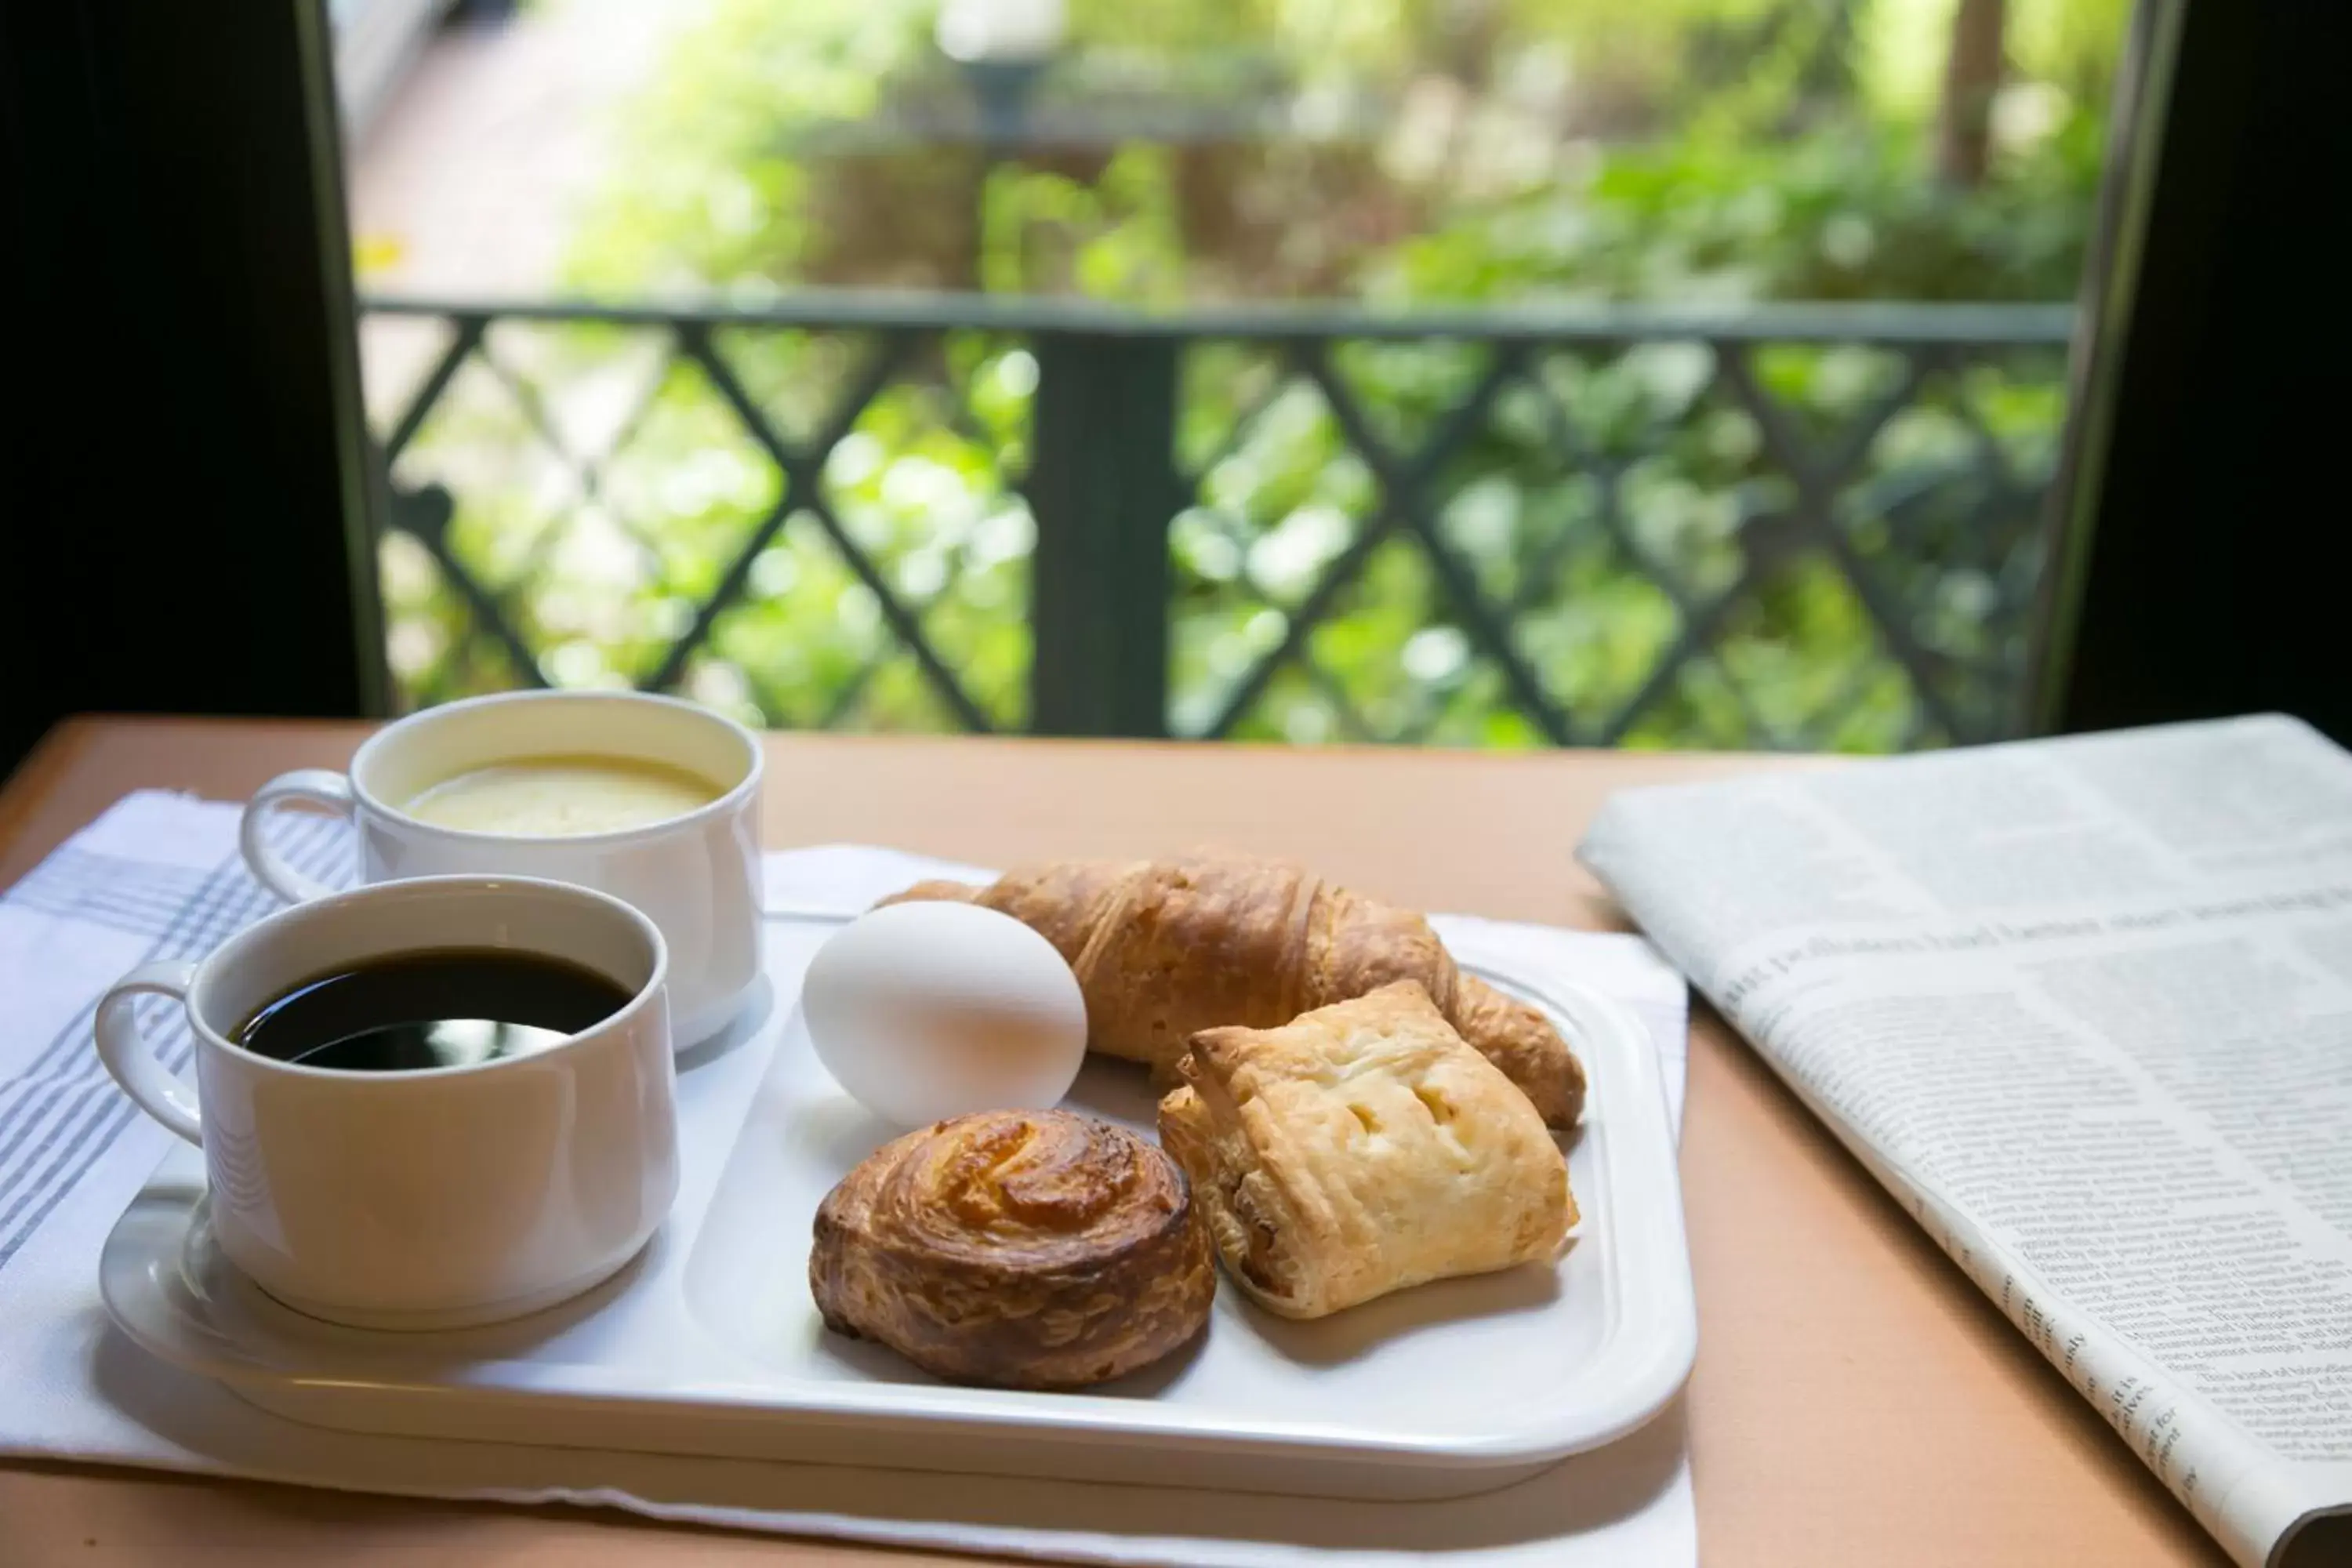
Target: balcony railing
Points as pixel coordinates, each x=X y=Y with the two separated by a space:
x=1778 y=526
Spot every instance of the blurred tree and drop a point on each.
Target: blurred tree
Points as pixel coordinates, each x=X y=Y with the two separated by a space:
x=1972 y=73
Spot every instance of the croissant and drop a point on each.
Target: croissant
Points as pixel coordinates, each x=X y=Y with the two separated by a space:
x=1164 y=948
x=1025 y=1249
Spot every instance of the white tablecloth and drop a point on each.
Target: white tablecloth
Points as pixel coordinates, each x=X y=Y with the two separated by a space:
x=158 y=877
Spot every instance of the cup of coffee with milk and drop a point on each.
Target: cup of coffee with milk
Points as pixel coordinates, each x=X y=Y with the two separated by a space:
x=446 y=1097
x=650 y=799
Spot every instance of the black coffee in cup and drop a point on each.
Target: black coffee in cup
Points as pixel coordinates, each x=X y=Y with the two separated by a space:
x=412 y=1011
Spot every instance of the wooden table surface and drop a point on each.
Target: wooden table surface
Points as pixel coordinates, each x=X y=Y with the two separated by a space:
x=1855 y=1401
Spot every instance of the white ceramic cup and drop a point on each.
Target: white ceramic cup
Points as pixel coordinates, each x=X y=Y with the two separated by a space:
x=697 y=875
x=431 y=1199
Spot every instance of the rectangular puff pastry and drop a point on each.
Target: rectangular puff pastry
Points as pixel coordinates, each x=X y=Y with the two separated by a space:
x=1359 y=1149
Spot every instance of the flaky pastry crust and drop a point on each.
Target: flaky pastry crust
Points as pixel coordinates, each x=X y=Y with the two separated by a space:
x=1026 y=1250
x=1360 y=1149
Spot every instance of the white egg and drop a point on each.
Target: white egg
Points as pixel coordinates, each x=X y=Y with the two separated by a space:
x=925 y=1010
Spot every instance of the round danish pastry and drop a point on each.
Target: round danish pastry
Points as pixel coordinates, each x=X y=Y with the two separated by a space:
x=1022 y=1248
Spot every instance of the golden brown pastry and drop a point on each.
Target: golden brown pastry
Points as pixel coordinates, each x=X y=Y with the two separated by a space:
x=1029 y=1249
x=1163 y=948
x=1360 y=1149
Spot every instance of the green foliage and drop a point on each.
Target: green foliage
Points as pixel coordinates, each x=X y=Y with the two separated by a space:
x=1115 y=238
x=705 y=187
x=1843 y=213
x=1616 y=508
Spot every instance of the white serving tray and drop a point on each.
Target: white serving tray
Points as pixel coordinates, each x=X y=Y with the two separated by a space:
x=709 y=1343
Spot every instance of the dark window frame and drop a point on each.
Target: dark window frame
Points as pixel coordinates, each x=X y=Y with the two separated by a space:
x=2187 y=580
x=187 y=511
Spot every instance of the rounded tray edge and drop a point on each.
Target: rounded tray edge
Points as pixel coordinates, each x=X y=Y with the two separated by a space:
x=143 y=1308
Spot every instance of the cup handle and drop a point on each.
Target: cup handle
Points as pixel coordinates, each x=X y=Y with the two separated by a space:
x=154 y=1087
x=311 y=786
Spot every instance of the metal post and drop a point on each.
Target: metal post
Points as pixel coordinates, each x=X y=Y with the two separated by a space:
x=1102 y=486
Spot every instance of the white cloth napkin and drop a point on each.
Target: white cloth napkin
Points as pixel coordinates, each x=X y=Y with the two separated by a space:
x=158 y=877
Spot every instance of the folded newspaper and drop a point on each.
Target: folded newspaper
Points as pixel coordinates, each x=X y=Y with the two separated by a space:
x=2084 y=1006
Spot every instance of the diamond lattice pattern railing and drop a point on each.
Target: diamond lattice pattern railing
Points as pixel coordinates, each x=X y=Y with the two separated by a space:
x=1661 y=537
x=819 y=530
x=1668 y=542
